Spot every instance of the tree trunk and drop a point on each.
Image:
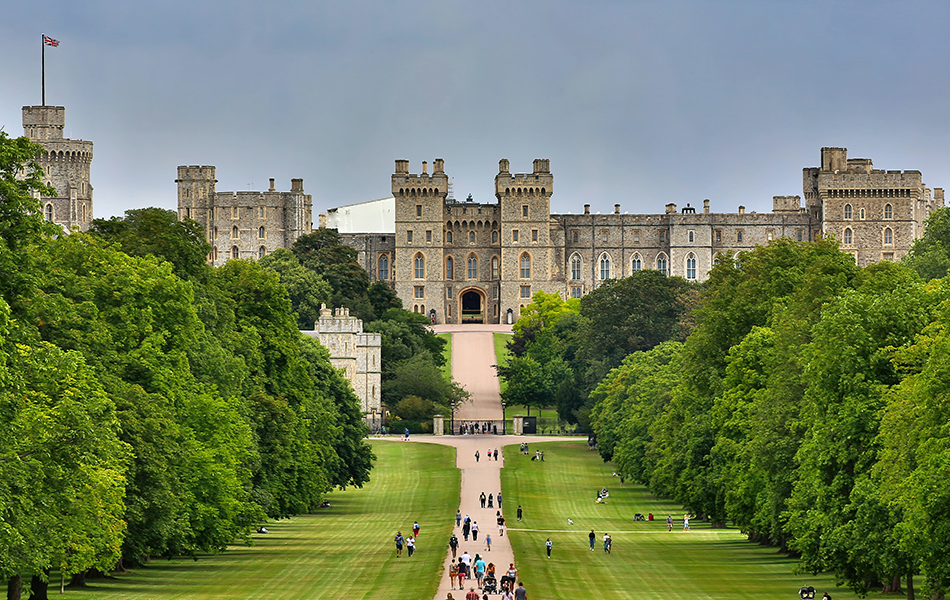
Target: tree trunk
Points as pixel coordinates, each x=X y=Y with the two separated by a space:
x=38 y=588
x=78 y=580
x=119 y=566
x=910 y=586
x=14 y=587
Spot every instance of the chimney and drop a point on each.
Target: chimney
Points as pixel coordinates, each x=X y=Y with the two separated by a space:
x=670 y=209
x=438 y=167
x=402 y=166
x=616 y=209
x=271 y=185
x=296 y=185
x=741 y=210
x=424 y=166
x=587 y=209
x=706 y=206
x=503 y=165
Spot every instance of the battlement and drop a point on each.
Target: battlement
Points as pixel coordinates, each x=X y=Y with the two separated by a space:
x=537 y=183
x=41 y=123
x=194 y=172
x=405 y=184
x=786 y=204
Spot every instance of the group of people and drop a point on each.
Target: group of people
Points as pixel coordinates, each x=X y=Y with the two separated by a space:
x=491 y=454
x=482 y=498
x=408 y=542
x=473 y=427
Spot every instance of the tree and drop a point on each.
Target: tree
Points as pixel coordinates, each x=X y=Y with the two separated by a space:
x=307 y=290
x=324 y=253
x=419 y=376
x=930 y=254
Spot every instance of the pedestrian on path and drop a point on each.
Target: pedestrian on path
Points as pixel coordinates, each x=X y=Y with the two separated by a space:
x=474 y=531
x=496 y=460
x=488 y=543
x=501 y=524
x=453 y=574
x=466 y=528
x=520 y=513
x=591 y=537
x=669 y=522
x=480 y=567
x=499 y=499
x=482 y=499
x=399 y=543
x=491 y=498
x=471 y=595
x=458 y=517
x=521 y=593
x=477 y=455
x=411 y=545
x=547 y=545
x=461 y=569
x=454 y=545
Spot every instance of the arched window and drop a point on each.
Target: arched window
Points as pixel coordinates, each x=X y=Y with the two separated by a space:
x=48 y=213
x=604 y=267
x=448 y=237
x=691 y=266
x=471 y=236
x=661 y=264
x=575 y=267
x=260 y=233
x=847 y=236
x=494 y=237
x=494 y=267
x=420 y=267
x=214 y=253
x=472 y=267
x=862 y=214
x=449 y=268
x=525 y=266
x=261 y=252
x=888 y=211
x=888 y=236
x=234 y=233
x=847 y=211
x=636 y=264
x=235 y=253
x=383 y=267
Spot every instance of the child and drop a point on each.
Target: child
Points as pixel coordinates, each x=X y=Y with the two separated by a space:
x=488 y=543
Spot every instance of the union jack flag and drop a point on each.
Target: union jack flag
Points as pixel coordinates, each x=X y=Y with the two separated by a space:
x=50 y=41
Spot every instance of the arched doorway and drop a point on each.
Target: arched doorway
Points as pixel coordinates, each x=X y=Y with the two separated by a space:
x=473 y=306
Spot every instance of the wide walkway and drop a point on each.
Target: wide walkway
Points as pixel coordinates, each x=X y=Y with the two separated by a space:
x=473 y=354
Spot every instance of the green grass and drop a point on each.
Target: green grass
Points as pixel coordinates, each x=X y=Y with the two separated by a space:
x=447 y=355
x=647 y=562
x=544 y=413
x=501 y=354
x=345 y=551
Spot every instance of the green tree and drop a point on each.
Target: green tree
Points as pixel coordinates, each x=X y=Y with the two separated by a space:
x=307 y=290
x=324 y=253
x=419 y=376
x=930 y=254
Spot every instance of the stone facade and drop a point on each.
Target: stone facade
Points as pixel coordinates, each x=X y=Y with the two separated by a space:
x=466 y=261
x=355 y=352
x=243 y=224
x=66 y=163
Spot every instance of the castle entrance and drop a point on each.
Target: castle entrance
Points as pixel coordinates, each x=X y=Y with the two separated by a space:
x=473 y=307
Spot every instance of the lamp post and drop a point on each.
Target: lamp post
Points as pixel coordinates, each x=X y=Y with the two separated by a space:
x=373 y=422
x=453 y=417
x=504 y=420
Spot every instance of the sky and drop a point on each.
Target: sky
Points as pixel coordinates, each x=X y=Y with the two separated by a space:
x=634 y=103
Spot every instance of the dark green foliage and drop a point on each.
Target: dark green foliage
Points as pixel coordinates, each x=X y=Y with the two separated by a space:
x=930 y=254
x=323 y=253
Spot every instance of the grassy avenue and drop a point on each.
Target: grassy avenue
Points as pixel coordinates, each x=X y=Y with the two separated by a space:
x=346 y=551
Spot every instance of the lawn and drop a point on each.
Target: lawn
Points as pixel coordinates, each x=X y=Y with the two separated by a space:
x=647 y=561
x=501 y=353
x=345 y=551
x=446 y=354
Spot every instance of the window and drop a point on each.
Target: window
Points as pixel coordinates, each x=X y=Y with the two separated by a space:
x=494 y=267
x=234 y=212
x=261 y=234
x=526 y=291
x=260 y=212
x=575 y=267
x=48 y=213
x=409 y=236
x=662 y=236
x=799 y=235
x=449 y=268
x=888 y=236
x=418 y=210
x=420 y=266
x=448 y=293
x=419 y=291
x=494 y=237
x=525 y=266
x=187 y=213
x=575 y=236
x=494 y=293
x=472 y=267
x=428 y=236
x=234 y=233
x=383 y=267
x=636 y=264
x=514 y=235
x=524 y=210
x=847 y=236
x=235 y=253
x=604 y=267
x=847 y=211
x=215 y=230
x=534 y=235
x=214 y=253
x=889 y=256
x=862 y=214
x=636 y=236
x=888 y=211
x=769 y=234
x=211 y=213
x=719 y=236
x=471 y=237
x=603 y=236
x=575 y=291
x=261 y=252
x=691 y=236
x=661 y=263
x=448 y=237
x=691 y=266
x=739 y=235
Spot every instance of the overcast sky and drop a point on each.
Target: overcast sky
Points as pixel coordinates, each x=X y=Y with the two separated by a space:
x=636 y=103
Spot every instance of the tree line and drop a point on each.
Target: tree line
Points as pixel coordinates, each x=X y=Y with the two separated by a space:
x=151 y=406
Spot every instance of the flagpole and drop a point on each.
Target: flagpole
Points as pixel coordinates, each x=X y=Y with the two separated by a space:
x=43 y=61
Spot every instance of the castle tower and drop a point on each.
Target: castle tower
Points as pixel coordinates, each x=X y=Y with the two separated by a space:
x=196 y=195
x=66 y=164
x=527 y=252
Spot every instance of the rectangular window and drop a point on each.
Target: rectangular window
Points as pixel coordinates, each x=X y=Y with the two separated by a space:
x=662 y=236
x=575 y=292
x=409 y=236
x=514 y=235
x=799 y=235
x=260 y=212
x=719 y=236
x=526 y=291
x=448 y=292
x=428 y=236
x=524 y=210
x=419 y=291
x=575 y=236
x=418 y=210
x=739 y=235
x=691 y=235
x=534 y=235
x=234 y=212
x=769 y=234
x=603 y=236
x=888 y=256
x=448 y=310
x=494 y=293
x=636 y=236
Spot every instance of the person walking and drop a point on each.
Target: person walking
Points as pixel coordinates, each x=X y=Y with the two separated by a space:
x=488 y=543
x=491 y=498
x=685 y=522
x=399 y=543
x=474 y=531
x=520 y=514
x=458 y=517
x=471 y=595
x=591 y=536
x=411 y=545
x=496 y=454
x=477 y=455
x=461 y=574
x=520 y=592
x=499 y=499
x=415 y=529
x=669 y=522
x=481 y=499
x=480 y=567
x=500 y=519
x=607 y=543
x=466 y=528
x=548 y=544
x=453 y=573
x=454 y=545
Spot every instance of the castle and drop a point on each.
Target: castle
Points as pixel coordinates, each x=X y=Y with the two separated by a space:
x=243 y=224
x=481 y=262
x=66 y=164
